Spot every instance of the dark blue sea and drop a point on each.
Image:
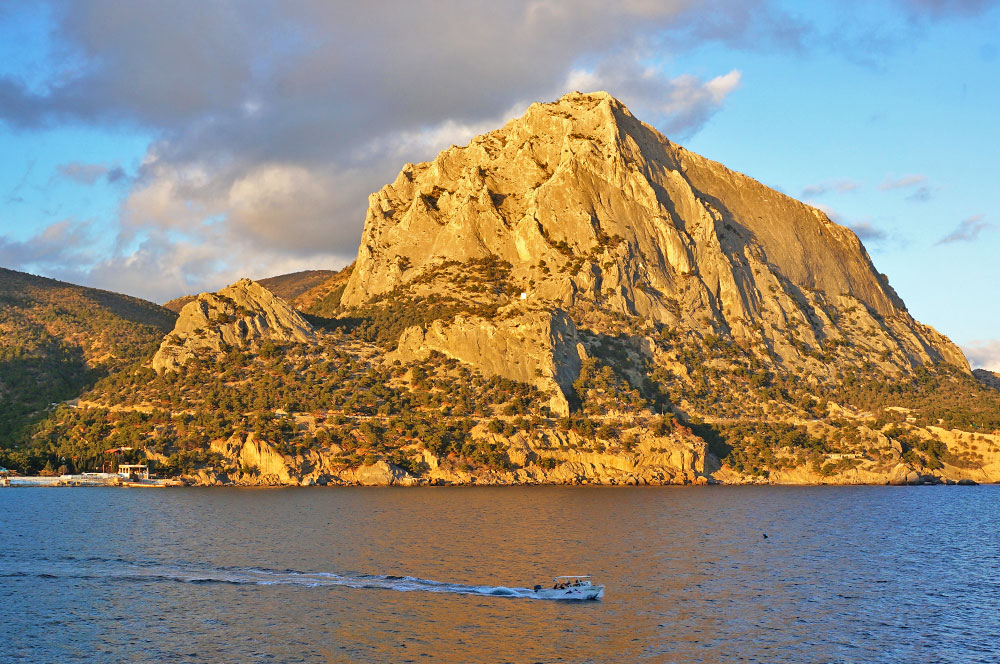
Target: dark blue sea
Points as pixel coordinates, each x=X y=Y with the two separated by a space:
x=845 y=574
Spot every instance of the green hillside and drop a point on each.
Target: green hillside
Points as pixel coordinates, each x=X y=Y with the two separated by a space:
x=57 y=339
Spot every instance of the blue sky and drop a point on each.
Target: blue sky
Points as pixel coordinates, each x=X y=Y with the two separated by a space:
x=165 y=148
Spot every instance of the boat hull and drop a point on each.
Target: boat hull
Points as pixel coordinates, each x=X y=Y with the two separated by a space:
x=573 y=593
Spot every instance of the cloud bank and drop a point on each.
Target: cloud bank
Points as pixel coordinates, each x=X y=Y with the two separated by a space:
x=272 y=122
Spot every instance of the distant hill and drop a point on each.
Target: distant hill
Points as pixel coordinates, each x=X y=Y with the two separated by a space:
x=288 y=287
x=323 y=297
x=57 y=338
x=987 y=378
x=178 y=303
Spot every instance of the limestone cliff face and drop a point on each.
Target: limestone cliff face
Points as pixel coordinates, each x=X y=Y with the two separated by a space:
x=537 y=347
x=239 y=315
x=591 y=207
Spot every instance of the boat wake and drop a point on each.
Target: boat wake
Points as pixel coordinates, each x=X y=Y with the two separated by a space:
x=153 y=572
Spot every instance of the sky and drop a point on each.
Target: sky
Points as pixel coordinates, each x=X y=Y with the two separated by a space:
x=165 y=148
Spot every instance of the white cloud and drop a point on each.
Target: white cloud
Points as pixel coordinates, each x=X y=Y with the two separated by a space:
x=275 y=121
x=983 y=354
x=424 y=143
x=163 y=266
x=679 y=105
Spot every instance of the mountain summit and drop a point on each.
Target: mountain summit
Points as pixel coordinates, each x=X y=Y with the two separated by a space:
x=593 y=210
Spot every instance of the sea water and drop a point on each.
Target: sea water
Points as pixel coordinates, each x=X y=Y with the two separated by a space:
x=844 y=574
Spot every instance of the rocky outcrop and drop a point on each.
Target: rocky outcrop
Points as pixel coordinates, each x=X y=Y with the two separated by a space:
x=379 y=473
x=548 y=457
x=593 y=208
x=534 y=347
x=238 y=316
x=256 y=457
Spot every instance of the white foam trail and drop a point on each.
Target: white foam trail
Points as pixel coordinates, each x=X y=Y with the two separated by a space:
x=186 y=573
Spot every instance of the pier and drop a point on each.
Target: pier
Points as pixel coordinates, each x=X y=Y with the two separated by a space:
x=128 y=475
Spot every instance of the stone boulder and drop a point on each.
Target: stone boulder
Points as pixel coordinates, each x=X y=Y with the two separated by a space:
x=381 y=473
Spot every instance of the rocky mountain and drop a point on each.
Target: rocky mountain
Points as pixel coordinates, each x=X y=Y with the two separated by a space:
x=591 y=209
x=571 y=298
x=241 y=315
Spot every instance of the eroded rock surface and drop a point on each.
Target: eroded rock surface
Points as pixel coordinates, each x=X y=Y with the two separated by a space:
x=551 y=457
x=592 y=207
x=535 y=347
x=241 y=315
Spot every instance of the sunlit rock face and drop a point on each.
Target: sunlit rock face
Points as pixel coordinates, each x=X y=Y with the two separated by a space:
x=238 y=316
x=538 y=348
x=594 y=209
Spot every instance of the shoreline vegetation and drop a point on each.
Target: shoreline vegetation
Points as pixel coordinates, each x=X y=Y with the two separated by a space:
x=352 y=415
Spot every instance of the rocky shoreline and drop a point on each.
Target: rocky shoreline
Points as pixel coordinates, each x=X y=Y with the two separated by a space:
x=657 y=461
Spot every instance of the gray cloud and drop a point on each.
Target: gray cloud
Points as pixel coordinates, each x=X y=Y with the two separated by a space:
x=276 y=120
x=116 y=174
x=966 y=231
x=273 y=121
x=838 y=185
x=51 y=249
x=921 y=194
x=866 y=231
x=932 y=9
x=920 y=190
x=83 y=173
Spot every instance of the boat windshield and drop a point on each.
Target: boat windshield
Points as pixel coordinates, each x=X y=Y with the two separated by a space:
x=573 y=580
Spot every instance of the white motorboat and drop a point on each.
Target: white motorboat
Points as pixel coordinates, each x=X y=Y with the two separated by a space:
x=572 y=588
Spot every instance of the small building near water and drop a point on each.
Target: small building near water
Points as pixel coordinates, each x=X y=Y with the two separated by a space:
x=133 y=471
